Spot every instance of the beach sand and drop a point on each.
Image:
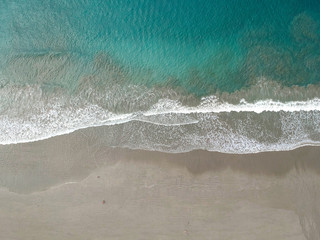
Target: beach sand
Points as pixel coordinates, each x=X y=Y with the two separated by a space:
x=74 y=187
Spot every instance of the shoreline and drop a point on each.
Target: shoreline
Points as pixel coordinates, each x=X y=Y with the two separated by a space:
x=73 y=182
x=73 y=188
x=99 y=128
x=74 y=156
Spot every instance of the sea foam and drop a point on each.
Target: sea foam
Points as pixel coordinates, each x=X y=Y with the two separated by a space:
x=169 y=125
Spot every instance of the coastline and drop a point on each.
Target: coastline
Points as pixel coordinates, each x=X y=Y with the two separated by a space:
x=75 y=187
x=72 y=157
x=159 y=120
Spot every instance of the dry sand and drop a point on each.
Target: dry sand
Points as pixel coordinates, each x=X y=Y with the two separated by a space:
x=74 y=187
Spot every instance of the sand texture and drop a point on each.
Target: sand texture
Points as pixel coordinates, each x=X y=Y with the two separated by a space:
x=74 y=187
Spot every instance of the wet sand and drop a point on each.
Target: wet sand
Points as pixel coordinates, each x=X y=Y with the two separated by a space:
x=75 y=187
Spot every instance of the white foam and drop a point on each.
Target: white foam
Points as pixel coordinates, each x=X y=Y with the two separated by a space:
x=212 y=105
x=53 y=119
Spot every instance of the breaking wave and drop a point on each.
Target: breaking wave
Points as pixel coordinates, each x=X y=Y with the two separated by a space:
x=163 y=120
x=172 y=76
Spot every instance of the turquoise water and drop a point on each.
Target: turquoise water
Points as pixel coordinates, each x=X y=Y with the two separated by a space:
x=201 y=46
x=70 y=64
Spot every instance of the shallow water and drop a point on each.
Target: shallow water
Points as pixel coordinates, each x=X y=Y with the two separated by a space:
x=116 y=78
x=231 y=77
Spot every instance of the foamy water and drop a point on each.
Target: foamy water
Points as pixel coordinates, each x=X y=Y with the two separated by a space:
x=171 y=76
x=169 y=125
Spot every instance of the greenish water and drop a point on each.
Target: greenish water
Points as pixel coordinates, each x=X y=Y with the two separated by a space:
x=201 y=46
x=71 y=64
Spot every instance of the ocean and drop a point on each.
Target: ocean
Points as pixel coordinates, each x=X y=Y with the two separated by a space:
x=160 y=119
x=171 y=75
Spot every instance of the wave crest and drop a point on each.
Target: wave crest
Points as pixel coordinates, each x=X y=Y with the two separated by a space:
x=166 y=122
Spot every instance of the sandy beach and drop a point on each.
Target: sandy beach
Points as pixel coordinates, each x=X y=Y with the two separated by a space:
x=74 y=187
x=159 y=120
